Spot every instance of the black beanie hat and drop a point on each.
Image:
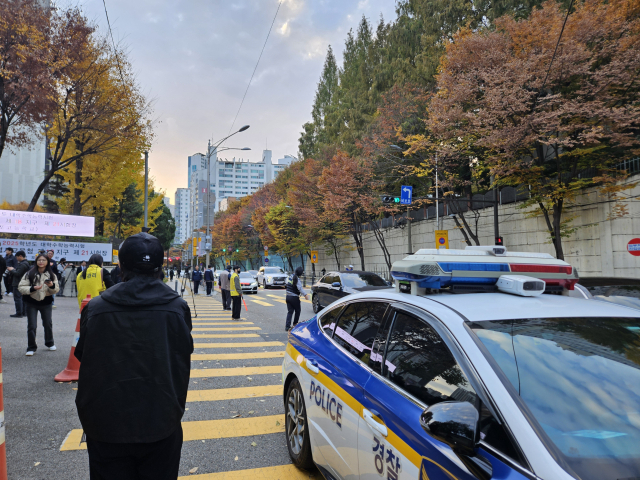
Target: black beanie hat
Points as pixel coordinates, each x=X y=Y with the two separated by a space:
x=141 y=253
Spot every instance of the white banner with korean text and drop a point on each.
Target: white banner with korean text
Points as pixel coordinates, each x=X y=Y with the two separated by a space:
x=41 y=223
x=72 y=251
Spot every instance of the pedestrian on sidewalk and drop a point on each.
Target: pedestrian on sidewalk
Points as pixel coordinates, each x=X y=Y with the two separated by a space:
x=12 y=264
x=196 y=277
x=17 y=274
x=135 y=349
x=116 y=274
x=3 y=268
x=37 y=287
x=208 y=280
x=93 y=280
x=54 y=269
x=171 y=274
x=236 y=293
x=294 y=290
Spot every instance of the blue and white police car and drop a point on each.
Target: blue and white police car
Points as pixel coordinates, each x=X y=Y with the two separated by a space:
x=467 y=371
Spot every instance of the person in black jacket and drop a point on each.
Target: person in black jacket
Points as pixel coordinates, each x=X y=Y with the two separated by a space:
x=3 y=268
x=208 y=280
x=135 y=349
x=22 y=268
x=116 y=274
x=196 y=277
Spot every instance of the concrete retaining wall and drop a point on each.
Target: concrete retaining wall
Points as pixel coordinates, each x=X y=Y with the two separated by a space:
x=597 y=248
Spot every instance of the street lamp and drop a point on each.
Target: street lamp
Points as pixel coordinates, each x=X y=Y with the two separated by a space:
x=210 y=150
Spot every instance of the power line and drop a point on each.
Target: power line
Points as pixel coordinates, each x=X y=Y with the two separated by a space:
x=557 y=44
x=115 y=51
x=256 y=67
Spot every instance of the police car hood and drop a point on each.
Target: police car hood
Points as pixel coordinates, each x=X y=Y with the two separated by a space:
x=139 y=291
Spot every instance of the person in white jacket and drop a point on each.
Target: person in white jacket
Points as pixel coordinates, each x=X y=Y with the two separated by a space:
x=38 y=286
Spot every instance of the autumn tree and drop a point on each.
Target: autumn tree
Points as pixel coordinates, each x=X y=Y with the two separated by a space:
x=559 y=126
x=99 y=108
x=37 y=47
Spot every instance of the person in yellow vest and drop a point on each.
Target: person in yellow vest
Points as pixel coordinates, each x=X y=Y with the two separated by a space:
x=93 y=280
x=236 y=293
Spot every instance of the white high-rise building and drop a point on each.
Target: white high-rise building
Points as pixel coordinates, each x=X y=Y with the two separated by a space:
x=229 y=178
x=181 y=215
x=170 y=206
x=21 y=172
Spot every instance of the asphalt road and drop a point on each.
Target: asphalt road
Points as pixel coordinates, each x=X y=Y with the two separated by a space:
x=234 y=423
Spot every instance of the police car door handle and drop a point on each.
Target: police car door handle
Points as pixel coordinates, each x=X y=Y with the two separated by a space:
x=373 y=424
x=312 y=365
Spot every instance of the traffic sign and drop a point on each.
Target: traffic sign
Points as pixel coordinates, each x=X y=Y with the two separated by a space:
x=633 y=247
x=314 y=256
x=442 y=239
x=266 y=260
x=406 y=194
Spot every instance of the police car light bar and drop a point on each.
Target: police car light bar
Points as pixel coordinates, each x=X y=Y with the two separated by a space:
x=478 y=267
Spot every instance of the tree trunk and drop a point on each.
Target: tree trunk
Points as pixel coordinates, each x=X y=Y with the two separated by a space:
x=39 y=190
x=383 y=245
x=557 y=229
x=77 y=192
x=357 y=237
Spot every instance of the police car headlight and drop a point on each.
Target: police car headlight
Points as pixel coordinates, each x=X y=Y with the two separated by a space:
x=269 y=279
x=254 y=284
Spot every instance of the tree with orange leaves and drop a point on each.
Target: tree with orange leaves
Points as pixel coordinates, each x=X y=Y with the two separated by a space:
x=557 y=115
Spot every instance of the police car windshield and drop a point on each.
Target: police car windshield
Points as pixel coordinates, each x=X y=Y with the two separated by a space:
x=359 y=280
x=245 y=275
x=273 y=270
x=580 y=377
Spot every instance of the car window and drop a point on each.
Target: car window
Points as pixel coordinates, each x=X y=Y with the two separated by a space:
x=360 y=280
x=418 y=361
x=323 y=279
x=333 y=279
x=245 y=275
x=328 y=320
x=358 y=327
x=272 y=270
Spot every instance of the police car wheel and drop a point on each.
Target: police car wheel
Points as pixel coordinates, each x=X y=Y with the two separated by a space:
x=264 y=284
x=296 y=427
x=316 y=304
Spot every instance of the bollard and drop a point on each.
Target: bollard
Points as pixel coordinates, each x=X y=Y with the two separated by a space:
x=3 y=448
x=72 y=372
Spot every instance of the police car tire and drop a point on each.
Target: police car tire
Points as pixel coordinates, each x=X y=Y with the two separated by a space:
x=304 y=459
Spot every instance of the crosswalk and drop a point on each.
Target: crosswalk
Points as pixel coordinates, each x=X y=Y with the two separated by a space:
x=238 y=342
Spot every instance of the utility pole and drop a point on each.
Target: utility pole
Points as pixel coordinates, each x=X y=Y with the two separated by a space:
x=409 y=232
x=146 y=191
x=437 y=209
x=496 y=231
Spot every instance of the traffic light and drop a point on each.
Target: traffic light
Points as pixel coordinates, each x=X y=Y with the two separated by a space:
x=388 y=199
x=237 y=250
x=224 y=250
x=499 y=241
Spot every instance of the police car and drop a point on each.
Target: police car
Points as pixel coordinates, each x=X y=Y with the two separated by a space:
x=467 y=371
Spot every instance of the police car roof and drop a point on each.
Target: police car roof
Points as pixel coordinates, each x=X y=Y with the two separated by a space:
x=504 y=306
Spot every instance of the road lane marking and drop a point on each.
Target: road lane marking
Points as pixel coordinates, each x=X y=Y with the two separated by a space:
x=233 y=393
x=260 y=302
x=284 y=301
x=227 y=329
x=234 y=372
x=276 y=299
x=205 y=430
x=280 y=472
x=235 y=356
x=225 y=335
x=238 y=345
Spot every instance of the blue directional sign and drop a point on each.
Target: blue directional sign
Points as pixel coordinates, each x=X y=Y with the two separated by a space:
x=266 y=260
x=406 y=194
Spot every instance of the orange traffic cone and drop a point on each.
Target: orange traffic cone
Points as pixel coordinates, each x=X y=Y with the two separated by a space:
x=3 y=448
x=72 y=372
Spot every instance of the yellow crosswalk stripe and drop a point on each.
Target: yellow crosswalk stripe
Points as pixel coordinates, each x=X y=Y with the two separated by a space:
x=284 y=301
x=233 y=393
x=227 y=329
x=280 y=472
x=260 y=302
x=205 y=430
x=234 y=372
x=276 y=299
x=238 y=345
x=225 y=335
x=235 y=356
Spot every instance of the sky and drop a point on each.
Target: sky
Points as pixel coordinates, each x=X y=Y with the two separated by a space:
x=194 y=60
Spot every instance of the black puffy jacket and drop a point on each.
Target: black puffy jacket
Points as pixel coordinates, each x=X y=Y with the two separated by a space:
x=135 y=350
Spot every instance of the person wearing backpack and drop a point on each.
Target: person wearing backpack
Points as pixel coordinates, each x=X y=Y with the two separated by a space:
x=93 y=280
x=37 y=287
x=294 y=290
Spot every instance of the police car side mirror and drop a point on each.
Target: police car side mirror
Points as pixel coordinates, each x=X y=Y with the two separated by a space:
x=336 y=284
x=453 y=423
